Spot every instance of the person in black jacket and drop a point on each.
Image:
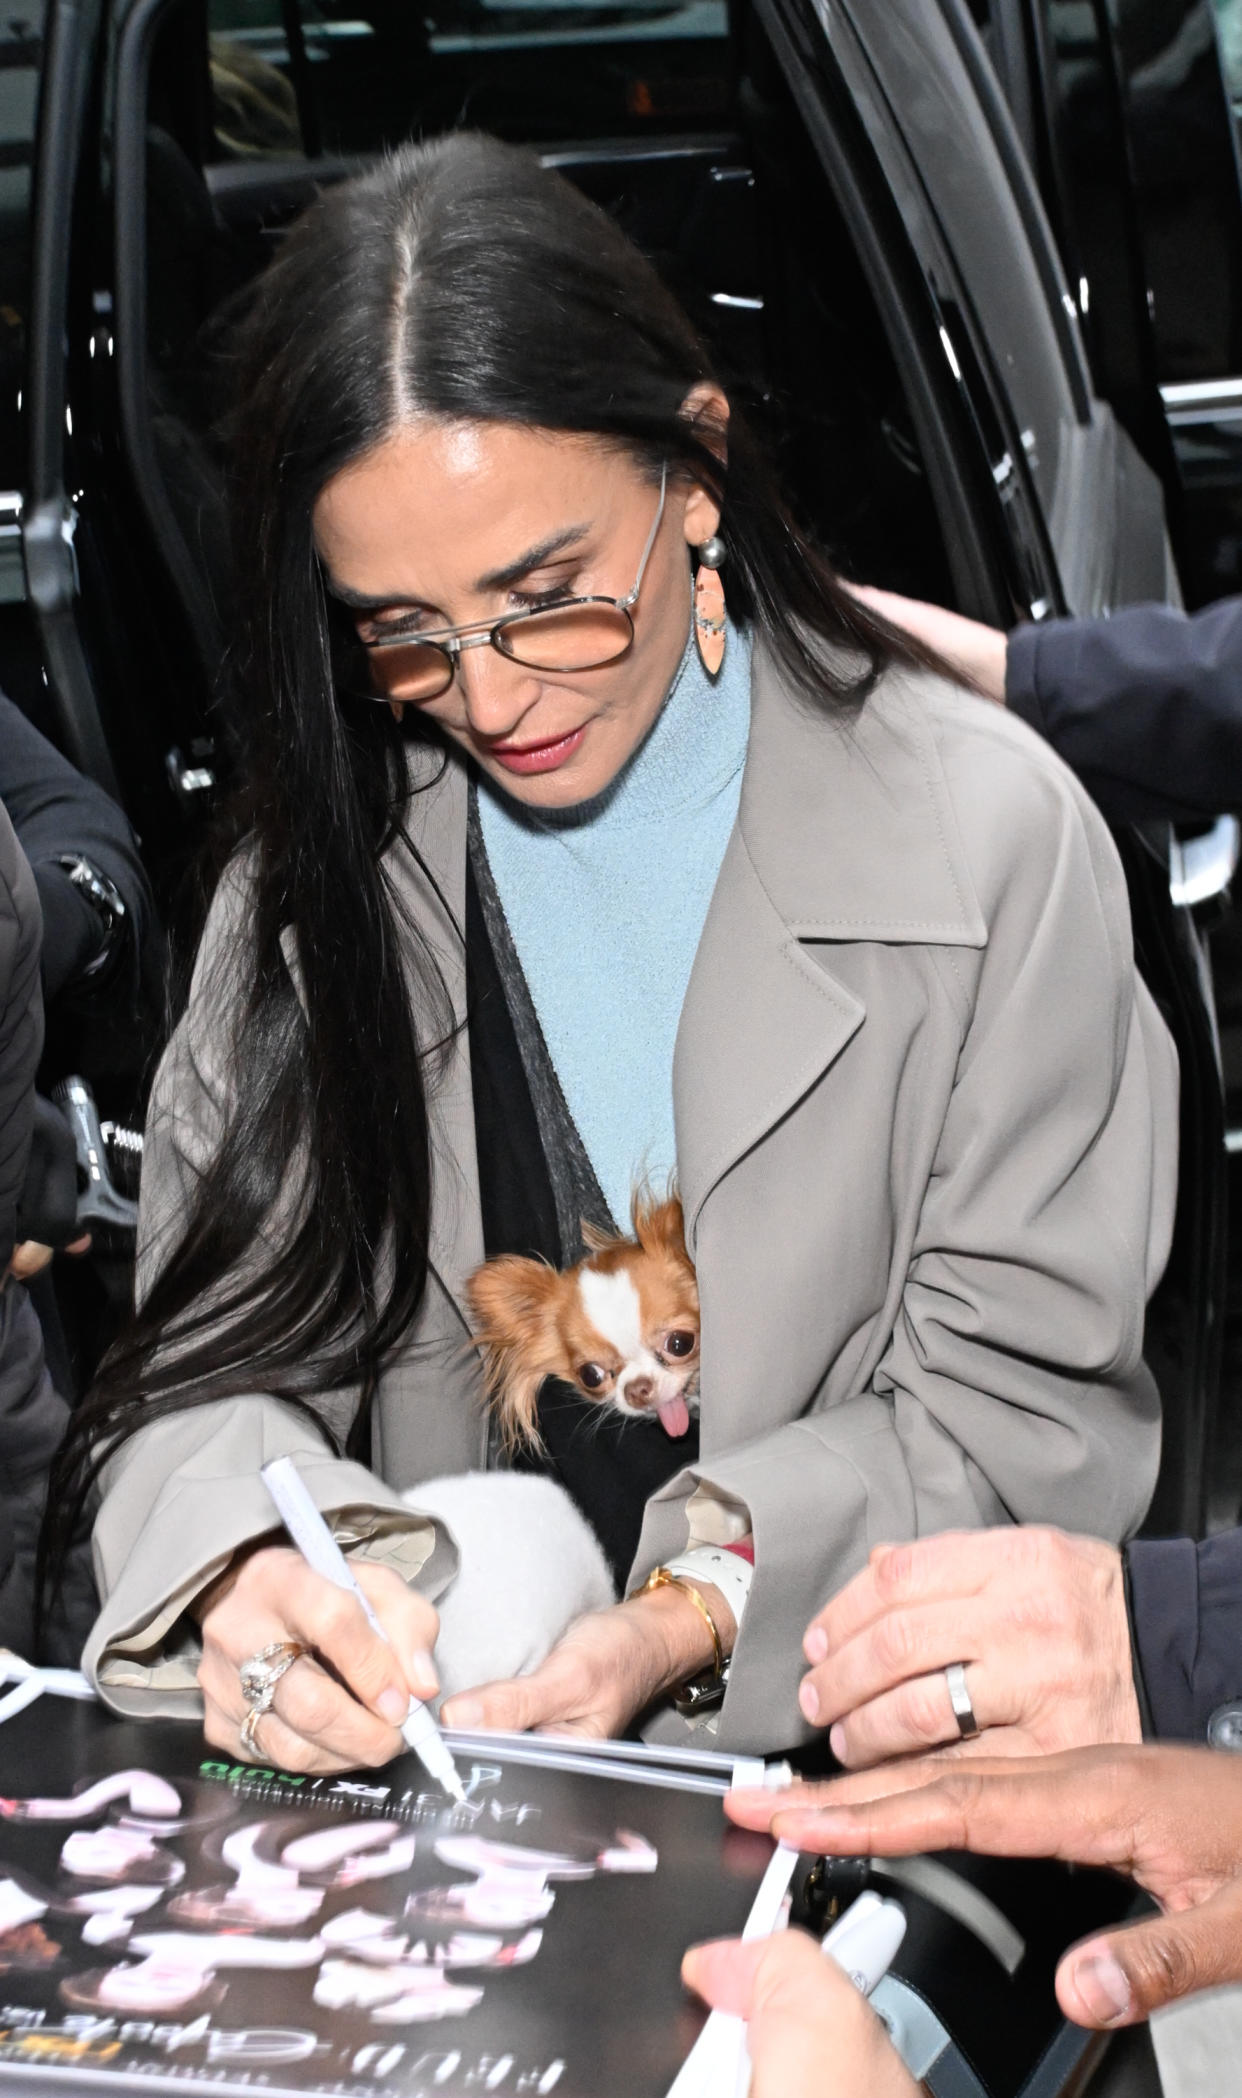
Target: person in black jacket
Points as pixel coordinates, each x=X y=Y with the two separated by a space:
x=1073 y=1642
x=100 y=941
x=79 y=925
x=1145 y=705
x=32 y=1415
x=93 y=894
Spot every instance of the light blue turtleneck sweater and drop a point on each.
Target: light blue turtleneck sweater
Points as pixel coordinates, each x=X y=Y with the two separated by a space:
x=606 y=903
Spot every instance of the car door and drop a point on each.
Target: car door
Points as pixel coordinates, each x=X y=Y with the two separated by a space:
x=985 y=246
x=1125 y=111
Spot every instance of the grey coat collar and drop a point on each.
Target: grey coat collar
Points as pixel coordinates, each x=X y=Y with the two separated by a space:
x=848 y=819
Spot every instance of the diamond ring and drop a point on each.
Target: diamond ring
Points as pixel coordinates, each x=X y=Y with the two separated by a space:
x=261 y=1673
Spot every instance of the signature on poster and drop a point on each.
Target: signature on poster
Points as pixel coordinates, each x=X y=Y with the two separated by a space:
x=176 y=1898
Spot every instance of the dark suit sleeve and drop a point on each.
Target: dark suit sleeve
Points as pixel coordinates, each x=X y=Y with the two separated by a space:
x=54 y=810
x=1146 y=706
x=1186 y=1620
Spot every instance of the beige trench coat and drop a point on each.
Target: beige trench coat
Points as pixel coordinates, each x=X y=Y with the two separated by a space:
x=926 y=1133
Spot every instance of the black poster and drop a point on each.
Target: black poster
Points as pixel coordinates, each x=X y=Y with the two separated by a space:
x=170 y=1918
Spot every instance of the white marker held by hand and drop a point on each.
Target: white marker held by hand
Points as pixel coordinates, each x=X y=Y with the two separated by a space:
x=323 y=1555
x=865 y=1940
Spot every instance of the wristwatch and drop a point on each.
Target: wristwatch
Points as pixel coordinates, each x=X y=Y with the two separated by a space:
x=105 y=902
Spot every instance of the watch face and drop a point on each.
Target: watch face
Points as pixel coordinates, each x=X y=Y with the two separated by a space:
x=703 y=1693
x=105 y=902
x=1224 y=1728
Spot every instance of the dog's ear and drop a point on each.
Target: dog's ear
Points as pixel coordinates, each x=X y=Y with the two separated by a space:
x=512 y=1387
x=596 y=1240
x=509 y=1294
x=659 y=1225
x=512 y=1300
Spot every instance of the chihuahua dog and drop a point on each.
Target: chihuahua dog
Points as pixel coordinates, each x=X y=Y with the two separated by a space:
x=622 y=1326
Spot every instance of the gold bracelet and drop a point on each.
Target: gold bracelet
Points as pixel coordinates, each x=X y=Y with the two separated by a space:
x=662 y=1578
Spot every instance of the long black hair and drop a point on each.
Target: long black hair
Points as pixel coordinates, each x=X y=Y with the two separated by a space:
x=458 y=280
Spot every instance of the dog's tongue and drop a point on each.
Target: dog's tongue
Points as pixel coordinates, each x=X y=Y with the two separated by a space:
x=674 y=1415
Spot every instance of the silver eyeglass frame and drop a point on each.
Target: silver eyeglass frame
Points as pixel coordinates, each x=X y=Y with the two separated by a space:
x=482 y=633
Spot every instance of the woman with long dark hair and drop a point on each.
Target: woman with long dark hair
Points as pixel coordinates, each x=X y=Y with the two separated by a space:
x=530 y=895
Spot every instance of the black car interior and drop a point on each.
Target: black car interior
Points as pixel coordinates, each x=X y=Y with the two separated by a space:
x=738 y=218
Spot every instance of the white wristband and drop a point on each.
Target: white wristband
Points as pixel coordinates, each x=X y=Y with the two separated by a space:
x=726 y=1571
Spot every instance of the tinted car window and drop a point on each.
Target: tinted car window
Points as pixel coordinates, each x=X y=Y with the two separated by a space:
x=21 y=50
x=330 y=76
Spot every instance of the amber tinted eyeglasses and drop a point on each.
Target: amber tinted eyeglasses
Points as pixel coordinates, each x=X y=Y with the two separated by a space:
x=577 y=633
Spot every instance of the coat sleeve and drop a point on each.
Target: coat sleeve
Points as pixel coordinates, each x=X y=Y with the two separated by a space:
x=1186 y=1618
x=1145 y=706
x=1012 y=1385
x=184 y=1494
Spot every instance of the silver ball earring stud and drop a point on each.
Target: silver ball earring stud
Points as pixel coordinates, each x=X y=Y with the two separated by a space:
x=713 y=551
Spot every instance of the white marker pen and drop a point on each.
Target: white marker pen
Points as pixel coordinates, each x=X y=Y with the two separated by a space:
x=323 y=1555
x=864 y=1941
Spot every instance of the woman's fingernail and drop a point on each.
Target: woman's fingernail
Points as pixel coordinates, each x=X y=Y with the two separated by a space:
x=808 y=1698
x=1103 y=1985
x=467 y=1712
x=815 y=1645
x=421 y=1670
x=393 y=1706
x=836 y=1741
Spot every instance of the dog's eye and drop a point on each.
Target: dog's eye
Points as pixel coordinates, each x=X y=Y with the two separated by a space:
x=679 y=1343
x=591 y=1376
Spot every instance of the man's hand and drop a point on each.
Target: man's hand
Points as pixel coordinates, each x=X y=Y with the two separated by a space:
x=975 y=652
x=1170 y=1818
x=30 y=1258
x=1038 y=1618
x=811 y=2034
x=608 y=1668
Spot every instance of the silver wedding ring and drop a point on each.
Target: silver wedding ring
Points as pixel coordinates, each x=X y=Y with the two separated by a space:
x=261 y=1673
x=959 y=1698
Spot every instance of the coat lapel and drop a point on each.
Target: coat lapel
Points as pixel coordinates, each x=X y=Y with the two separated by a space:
x=760 y=1024
x=433 y=897
x=845 y=832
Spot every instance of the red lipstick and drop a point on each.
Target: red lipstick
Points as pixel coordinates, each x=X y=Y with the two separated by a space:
x=537 y=757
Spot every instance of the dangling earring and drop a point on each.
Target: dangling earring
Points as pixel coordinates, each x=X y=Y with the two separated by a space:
x=710 y=624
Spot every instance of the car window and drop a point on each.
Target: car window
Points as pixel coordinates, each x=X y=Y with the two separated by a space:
x=21 y=52
x=335 y=77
